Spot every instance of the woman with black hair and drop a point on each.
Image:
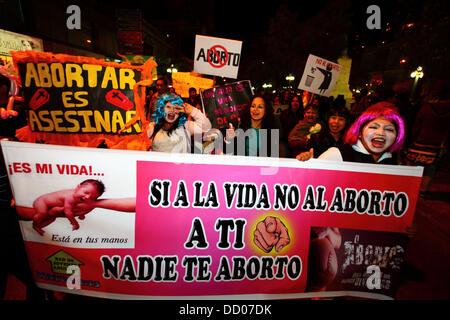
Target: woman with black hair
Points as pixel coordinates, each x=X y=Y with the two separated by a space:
x=288 y=119
x=291 y=116
x=338 y=121
x=257 y=134
x=299 y=135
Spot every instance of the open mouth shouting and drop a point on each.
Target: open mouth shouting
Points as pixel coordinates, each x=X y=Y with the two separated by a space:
x=378 y=142
x=171 y=117
x=172 y=112
x=378 y=135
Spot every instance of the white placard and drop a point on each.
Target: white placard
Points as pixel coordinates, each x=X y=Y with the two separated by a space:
x=217 y=56
x=319 y=76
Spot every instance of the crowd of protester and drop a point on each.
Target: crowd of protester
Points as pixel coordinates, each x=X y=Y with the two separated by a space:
x=287 y=123
x=308 y=125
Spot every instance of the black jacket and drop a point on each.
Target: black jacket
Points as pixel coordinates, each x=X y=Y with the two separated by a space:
x=350 y=154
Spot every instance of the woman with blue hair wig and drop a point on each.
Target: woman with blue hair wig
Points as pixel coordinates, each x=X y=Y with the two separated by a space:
x=171 y=130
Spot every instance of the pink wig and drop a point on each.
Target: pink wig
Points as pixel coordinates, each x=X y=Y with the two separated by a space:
x=380 y=109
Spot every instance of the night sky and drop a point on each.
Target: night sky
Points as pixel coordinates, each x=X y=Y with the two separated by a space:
x=233 y=19
x=240 y=20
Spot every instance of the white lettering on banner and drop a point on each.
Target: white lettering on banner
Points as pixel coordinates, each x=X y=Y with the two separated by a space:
x=359 y=254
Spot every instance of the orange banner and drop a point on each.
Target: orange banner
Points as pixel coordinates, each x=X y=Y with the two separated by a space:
x=83 y=101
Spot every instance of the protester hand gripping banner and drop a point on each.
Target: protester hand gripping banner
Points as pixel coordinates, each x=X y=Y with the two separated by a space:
x=223 y=103
x=212 y=226
x=319 y=76
x=83 y=101
x=217 y=56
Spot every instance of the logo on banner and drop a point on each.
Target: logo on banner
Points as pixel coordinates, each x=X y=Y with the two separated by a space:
x=213 y=53
x=61 y=260
x=216 y=56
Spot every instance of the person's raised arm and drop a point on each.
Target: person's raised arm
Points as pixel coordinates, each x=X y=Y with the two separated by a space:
x=200 y=124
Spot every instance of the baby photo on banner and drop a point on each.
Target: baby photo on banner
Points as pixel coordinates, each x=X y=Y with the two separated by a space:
x=72 y=199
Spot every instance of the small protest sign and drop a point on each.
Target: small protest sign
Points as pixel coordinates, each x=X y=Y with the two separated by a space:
x=222 y=104
x=183 y=81
x=84 y=101
x=217 y=56
x=319 y=76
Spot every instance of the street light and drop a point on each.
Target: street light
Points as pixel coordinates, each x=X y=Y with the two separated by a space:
x=290 y=78
x=416 y=75
x=172 y=69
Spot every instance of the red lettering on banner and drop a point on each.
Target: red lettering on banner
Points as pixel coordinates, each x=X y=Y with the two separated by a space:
x=18 y=167
x=43 y=168
x=73 y=169
x=239 y=87
x=222 y=120
x=47 y=168
x=209 y=94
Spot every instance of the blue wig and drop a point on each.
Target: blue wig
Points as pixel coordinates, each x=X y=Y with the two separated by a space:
x=160 y=113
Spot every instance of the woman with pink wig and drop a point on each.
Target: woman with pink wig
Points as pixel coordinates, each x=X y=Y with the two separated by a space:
x=372 y=138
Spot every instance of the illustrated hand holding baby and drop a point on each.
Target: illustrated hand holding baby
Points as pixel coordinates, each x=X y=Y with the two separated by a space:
x=86 y=205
